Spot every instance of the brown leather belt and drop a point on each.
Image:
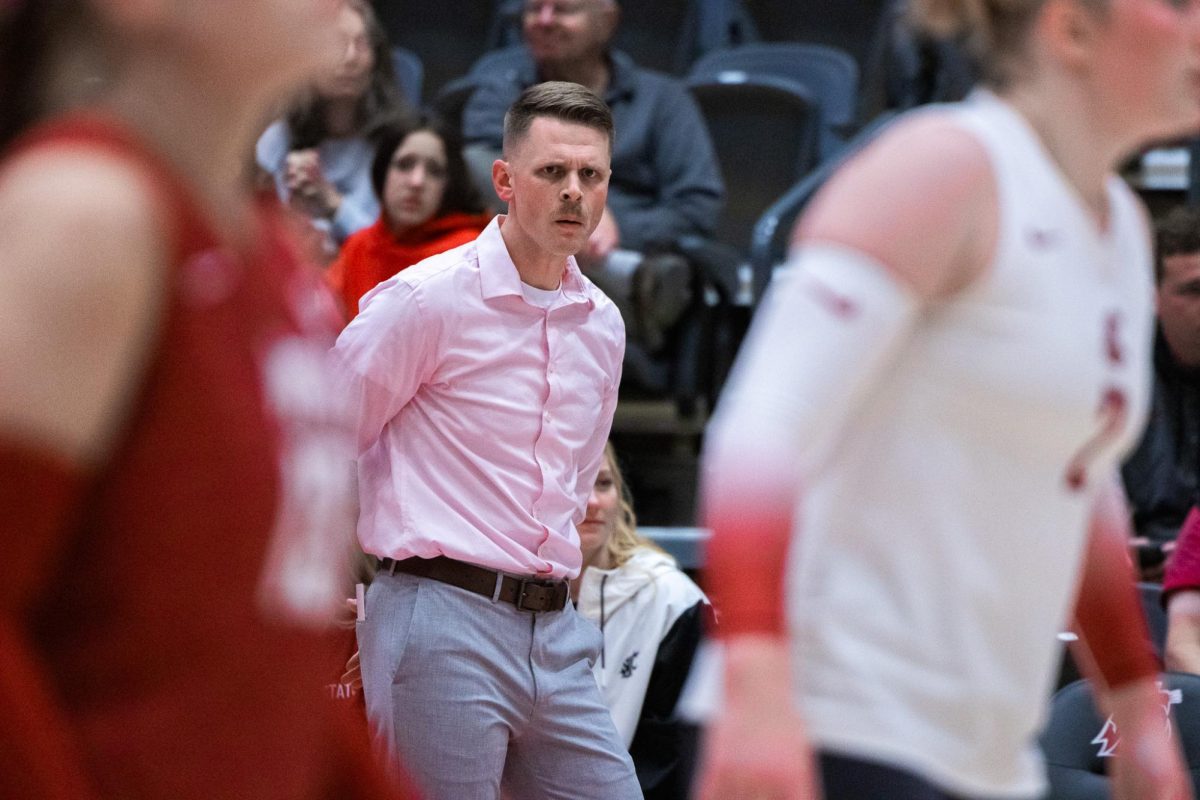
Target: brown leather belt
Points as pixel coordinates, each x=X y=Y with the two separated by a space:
x=527 y=594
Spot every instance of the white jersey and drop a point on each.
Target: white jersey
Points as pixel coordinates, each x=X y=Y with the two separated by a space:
x=939 y=545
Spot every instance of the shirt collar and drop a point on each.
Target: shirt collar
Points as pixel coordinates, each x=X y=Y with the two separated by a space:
x=498 y=274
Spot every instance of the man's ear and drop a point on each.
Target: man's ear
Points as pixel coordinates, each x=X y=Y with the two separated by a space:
x=502 y=179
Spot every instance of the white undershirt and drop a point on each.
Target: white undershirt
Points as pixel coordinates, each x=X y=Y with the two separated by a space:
x=542 y=298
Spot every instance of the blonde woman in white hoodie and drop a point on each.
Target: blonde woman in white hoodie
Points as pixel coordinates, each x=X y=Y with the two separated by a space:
x=650 y=614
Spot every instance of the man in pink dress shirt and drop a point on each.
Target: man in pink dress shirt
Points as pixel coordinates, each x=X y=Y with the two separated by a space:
x=484 y=381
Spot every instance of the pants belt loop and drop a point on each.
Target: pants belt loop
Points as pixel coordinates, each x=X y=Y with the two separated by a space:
x=392 y=567
x=499 y=584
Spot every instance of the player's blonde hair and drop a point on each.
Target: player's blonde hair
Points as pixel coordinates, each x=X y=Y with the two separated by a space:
x=624 y=540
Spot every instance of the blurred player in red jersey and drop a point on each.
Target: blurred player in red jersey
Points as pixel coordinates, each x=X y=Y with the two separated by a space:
x=913 y=475
x=173 y=508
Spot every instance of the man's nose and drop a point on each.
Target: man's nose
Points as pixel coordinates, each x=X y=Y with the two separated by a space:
x=571 y=190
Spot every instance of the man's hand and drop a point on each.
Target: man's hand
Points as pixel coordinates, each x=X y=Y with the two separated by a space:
x=604 y=239
x=756 y=749
x=1148 y=764
x=310 y=192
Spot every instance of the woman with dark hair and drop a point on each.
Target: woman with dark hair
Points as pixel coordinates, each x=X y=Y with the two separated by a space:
x=320 y=153
x=428 y=203
x=171 y=555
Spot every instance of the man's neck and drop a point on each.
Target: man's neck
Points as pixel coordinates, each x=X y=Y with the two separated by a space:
x=535 y=266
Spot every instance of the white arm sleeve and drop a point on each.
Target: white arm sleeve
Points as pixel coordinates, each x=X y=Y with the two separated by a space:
x=831 y=322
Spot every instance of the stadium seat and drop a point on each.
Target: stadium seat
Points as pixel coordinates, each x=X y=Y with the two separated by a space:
x=1078 y=742
x=765 y=134
x=828 y=76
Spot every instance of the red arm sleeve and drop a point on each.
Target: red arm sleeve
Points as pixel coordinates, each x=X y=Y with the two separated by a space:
x=1108 y=614
x=746 y=563
x=38 y=498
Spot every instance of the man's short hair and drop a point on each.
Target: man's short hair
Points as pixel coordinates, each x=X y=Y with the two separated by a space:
x=568 y=102
x=1177 y=233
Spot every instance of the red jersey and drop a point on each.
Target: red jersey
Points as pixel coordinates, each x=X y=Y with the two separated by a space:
x=174 y=632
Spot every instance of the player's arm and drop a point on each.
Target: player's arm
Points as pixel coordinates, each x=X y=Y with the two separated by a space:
x=80 y=290
x=887 y=236
x=1119 y=659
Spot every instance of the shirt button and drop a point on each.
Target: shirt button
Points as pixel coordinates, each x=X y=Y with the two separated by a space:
x=546 y=416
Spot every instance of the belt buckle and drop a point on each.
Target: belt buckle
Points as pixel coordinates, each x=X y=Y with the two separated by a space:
x=520 y=601
x=522 y=587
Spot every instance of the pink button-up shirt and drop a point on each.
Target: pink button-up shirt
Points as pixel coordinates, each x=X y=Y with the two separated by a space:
x=481 y=418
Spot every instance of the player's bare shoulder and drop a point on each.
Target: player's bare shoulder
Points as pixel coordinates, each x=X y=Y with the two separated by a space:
x=921 y=199
x=80 y=279
x=77 y=210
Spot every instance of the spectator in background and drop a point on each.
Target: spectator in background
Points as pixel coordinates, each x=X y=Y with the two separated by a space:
x=174 y=521
x=650 y=614
x=1161 y=475
x=666 y=182
x=428 y=205
x=320 y=152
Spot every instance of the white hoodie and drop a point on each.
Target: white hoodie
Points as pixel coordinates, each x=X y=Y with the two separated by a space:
x=635 y=606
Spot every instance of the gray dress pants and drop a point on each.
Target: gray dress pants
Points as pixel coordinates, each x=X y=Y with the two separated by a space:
x=466 y=693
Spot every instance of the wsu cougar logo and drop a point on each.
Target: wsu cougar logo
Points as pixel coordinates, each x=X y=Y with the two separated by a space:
x=1108 y=738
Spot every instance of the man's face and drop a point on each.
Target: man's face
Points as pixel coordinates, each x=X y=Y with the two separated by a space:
x=1179 y=306
x=555 y=182
x=568 y=31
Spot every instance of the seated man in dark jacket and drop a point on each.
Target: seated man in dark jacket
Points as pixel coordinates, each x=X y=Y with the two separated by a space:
x=1161 y=474
x=665 y=183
